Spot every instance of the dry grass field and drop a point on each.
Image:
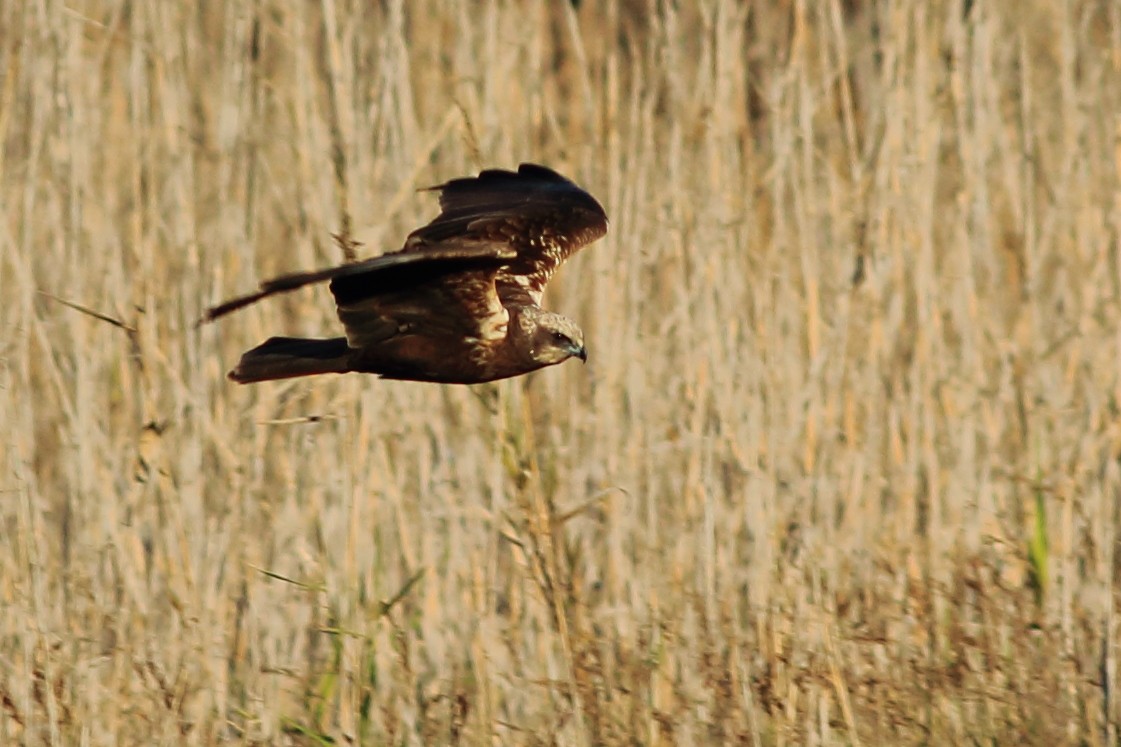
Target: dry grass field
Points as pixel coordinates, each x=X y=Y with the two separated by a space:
x=844 y=466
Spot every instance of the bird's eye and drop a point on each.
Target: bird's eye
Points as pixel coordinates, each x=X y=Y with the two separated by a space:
x=561 y=337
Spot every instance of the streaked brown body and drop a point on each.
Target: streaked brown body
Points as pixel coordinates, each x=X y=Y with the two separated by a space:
x=459 y=304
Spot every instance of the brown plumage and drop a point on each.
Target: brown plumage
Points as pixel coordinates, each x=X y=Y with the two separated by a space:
x=459 y=303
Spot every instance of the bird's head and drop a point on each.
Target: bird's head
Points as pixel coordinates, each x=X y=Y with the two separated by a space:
x=555 y=339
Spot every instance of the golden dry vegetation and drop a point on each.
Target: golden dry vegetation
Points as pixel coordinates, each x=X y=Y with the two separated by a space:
x=843 y=467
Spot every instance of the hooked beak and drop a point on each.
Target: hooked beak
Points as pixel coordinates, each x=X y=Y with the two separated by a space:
x=582 y=354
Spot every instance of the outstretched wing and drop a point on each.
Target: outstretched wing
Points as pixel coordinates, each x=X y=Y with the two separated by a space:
x=447 y=288
x=535 y=211
x=499 y=235
x=447 y=291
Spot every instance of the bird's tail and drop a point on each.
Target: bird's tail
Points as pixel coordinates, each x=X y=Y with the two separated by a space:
x=288 y=357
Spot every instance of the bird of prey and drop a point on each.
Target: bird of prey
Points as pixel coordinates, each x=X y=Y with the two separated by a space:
x=460 y=302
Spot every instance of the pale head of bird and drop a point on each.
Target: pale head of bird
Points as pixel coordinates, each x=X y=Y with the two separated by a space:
x=552 y=338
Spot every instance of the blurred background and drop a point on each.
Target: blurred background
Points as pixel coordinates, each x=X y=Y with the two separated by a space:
x=842 y=468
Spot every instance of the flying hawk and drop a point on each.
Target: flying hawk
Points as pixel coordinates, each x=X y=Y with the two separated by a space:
x=460 y=302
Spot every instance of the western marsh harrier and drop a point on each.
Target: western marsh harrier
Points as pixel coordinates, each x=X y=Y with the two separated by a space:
x=459 y=304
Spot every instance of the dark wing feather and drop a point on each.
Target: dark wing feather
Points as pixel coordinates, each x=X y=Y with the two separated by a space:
x=446 y=290
x=499 y=236
x=398 y=275
x=537 y=212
